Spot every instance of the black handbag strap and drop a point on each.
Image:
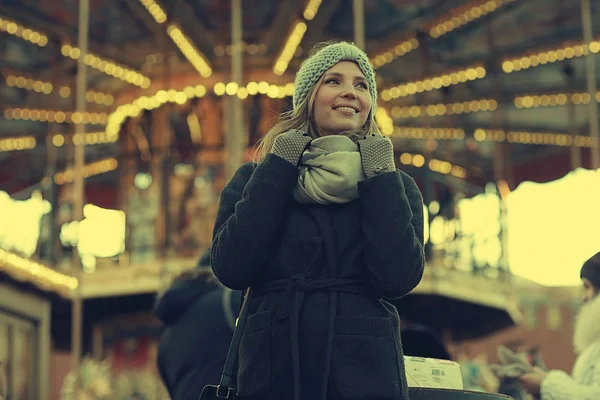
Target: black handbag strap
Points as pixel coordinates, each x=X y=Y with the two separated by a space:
x=224 y=388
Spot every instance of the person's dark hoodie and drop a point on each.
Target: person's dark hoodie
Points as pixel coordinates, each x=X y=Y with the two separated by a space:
x=198 y=330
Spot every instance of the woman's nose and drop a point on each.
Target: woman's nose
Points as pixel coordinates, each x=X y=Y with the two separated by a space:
x=349 y=93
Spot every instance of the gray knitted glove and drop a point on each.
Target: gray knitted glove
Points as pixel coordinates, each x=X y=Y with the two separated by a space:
x=377 y=155
x=290 y=145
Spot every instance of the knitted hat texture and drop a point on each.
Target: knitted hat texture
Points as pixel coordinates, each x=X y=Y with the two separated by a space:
x=315 y=66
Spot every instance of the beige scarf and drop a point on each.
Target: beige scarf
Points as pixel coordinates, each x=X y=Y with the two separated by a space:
x=330 y=170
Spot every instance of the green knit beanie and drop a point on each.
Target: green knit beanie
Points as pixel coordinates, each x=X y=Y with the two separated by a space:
x=315 y=66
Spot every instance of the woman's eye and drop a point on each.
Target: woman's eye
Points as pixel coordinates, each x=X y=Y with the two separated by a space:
x=332 y=80
x=362 y=85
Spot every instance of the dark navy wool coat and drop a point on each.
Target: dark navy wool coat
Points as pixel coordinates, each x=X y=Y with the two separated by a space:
x=318 y=326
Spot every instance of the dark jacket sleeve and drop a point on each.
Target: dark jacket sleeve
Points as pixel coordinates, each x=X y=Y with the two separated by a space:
x=393 y=229
x=161 y=364
x=250 y=212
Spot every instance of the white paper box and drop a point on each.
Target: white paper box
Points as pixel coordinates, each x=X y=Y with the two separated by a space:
x=432 y=373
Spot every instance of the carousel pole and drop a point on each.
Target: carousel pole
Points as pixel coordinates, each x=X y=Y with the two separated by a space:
x=234 y=139
x=575 y=151
x=590 y=67
x=51 y=246
x=501 y=165
x=160 y=169
x=161 y=134
x=358 y=7
x=568 y=71
x=426 y=174
x=78 y=183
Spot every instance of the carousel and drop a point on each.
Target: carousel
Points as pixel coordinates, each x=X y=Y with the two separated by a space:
x=122 y=120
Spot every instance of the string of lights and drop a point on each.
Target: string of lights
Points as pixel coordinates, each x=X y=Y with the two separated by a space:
x=94 y=61
x=463 y=15
x=436 y=82
x=429 y=133
x=442 y=167
x=179 y=37
x=89 y=138
x=108 y=67
x=295 y=37
x=161 y=97
x=193 y=55
x=38 y=86
x=312 y=7
x=399 y=50
x=290 y=47
x=91 y=169
x=454 y=19
x=537 y=57
x=434 y=110
x=155 y=10
x=30 y=35
x=534 y=138
x=37 y=273
x=29 y=114
x=553 y=100
x=17 y=143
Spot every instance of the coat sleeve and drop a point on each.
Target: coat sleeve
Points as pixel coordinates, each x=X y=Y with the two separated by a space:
x=251 y=209
x=560 y=386
x=393 y=232
x=160 y=363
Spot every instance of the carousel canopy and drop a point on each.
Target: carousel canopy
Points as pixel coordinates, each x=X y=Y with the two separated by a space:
x=466 y=82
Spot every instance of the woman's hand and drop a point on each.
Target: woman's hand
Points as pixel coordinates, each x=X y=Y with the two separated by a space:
x=532 y=381
x=377 y=154
x=290 y=145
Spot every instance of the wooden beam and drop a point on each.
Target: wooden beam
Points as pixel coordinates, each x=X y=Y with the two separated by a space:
x=234 y=139
x=590 y=69
x=130 y=279
x=125 y=54
x=181 y=12
x=271 y=37
x=139 y=13
x=316 y=27
x=358 y=12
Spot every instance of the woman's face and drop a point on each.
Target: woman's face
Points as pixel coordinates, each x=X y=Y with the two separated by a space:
x=343 y=101
x=589 y=292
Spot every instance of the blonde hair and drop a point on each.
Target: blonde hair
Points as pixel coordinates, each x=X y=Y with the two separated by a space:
x=301 y=118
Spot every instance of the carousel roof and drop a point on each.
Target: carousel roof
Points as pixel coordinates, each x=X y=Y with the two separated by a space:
x=455 y=77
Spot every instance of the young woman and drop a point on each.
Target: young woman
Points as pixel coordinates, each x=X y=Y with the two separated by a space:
x=322 y=228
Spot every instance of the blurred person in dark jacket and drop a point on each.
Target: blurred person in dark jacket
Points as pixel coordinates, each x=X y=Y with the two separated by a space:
x=422 y=341
x=199 y=316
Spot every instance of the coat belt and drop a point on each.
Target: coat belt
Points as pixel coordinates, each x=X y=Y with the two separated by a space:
x=296 y=289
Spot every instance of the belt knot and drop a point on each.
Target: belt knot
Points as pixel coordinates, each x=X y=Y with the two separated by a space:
x=299 y=283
